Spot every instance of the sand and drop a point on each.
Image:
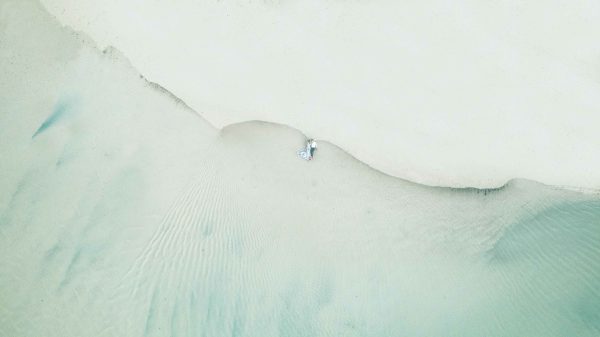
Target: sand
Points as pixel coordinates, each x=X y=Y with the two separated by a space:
x=461 y=94
x=124 y=213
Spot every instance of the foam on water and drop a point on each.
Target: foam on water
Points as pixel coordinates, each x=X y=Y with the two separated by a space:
x=135 y=217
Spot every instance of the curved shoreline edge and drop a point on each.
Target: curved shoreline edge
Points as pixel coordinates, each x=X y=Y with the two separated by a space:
x=115 y=54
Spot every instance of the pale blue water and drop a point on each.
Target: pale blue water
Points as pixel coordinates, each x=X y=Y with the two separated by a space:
x=127 y=215
x=61 y=110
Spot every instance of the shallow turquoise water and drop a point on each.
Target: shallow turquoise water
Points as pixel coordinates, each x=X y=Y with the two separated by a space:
x=124 y=214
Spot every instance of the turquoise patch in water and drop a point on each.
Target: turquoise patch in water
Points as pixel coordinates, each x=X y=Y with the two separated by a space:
x=61 y=110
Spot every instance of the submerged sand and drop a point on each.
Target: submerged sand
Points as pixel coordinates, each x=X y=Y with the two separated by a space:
x=124 y=213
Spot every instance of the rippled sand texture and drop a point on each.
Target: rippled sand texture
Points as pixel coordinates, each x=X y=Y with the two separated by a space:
x=123 y=213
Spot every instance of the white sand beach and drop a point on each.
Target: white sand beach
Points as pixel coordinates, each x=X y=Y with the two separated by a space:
x=460 y=94
x=123 y=212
